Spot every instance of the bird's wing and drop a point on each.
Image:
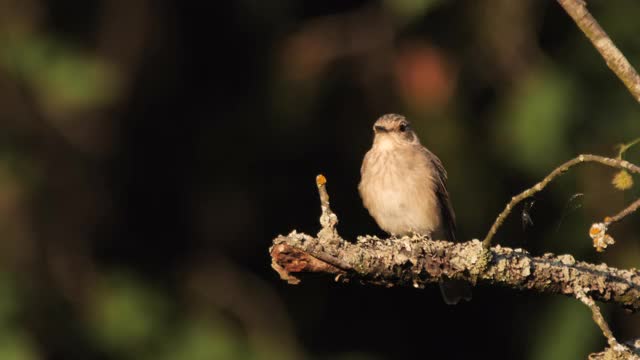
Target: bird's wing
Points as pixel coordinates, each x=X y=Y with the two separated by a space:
x=452 y=290
x=440 y=180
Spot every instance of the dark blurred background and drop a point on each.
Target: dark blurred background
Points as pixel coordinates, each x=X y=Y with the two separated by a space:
x=151 y=150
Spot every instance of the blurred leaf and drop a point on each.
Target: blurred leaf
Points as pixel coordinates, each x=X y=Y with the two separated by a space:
x=17 y=347
x=534 y=122
x=565 y=331
x=204 y=341
x=128 y=315
x=8 y=301
x=64 y=79
x=14 y=343
x=410 y=9
x=15 y=167
x=624 y=32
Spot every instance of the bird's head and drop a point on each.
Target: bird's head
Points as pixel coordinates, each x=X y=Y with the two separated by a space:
x=392 y=130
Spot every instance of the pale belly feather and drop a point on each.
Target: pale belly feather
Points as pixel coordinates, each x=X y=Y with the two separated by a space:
x=400 y=202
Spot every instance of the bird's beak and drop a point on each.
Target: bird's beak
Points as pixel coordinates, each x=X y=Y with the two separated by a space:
x=379 y=129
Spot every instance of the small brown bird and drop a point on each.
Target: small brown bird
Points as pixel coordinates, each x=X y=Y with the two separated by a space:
x=403 y=186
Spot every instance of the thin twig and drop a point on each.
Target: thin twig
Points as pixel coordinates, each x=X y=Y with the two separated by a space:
x=616 y=61
x=328 y=219
x=600 y=321
x=624 y=147
x=619 y=216
x=615 y=163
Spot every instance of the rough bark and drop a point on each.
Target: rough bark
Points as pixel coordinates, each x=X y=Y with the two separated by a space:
x=417 y=261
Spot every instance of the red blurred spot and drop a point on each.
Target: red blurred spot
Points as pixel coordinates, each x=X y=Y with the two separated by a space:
x=424 y=76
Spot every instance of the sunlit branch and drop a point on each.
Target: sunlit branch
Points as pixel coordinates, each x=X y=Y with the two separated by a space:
x=614 y=58
x=615 y=163
x=418 y=261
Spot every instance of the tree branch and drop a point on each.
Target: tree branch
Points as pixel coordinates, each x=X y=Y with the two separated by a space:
x=616 y=61
x=612 y=354
x=615 y=163
x=599 y=319
x=619 y=216
x=417 y=261
x=615 y=351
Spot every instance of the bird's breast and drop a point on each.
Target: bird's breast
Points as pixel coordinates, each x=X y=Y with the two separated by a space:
x=398 y=191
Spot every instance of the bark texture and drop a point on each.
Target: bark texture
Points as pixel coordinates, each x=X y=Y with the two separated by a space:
x=417 y=261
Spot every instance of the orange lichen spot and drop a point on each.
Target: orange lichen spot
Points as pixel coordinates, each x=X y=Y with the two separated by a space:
x=596 y=230
x=608 y=219
x=321 y=180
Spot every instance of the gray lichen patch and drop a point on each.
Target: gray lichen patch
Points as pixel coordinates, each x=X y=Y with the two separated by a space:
x=415 y=261
x=567 y=259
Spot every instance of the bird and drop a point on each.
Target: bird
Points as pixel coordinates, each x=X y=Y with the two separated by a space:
x=403 y=187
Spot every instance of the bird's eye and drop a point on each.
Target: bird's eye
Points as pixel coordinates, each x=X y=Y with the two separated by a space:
x=403 y=127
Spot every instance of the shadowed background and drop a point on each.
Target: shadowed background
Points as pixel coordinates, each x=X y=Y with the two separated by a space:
x=150 y=151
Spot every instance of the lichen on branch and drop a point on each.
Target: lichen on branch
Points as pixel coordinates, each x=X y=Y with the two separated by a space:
x=417 y=261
